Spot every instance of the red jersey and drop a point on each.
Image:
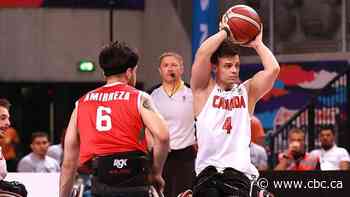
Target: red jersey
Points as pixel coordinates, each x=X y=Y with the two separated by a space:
x=109 y=121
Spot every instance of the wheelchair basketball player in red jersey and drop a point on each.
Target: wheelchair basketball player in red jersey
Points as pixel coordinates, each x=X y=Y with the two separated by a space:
x=106 y=133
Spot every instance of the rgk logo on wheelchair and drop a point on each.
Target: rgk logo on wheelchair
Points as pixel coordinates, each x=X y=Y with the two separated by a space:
x=120 y=163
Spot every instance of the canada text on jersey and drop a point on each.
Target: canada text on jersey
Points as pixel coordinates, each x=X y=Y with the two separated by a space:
x=228 y=104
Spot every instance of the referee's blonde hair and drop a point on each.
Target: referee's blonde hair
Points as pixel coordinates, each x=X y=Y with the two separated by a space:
x=173 y=54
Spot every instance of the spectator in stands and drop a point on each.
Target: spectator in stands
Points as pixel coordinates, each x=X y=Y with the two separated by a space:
x=4 y=125
x=38 y=161
x=258 y=155
x=296 y=158
x=56 y=151
x=8 y=142
x=173 y=99
x=331 y=156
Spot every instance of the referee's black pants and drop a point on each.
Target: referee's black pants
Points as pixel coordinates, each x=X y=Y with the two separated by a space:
x=178 y=171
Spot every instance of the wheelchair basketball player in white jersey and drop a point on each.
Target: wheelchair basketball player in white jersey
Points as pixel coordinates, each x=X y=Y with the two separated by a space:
x=223 y=107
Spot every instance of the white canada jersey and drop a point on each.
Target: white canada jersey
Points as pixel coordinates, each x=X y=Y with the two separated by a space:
x=223 y=131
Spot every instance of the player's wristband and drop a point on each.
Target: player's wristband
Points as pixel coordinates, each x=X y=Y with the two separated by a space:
x=228 y=32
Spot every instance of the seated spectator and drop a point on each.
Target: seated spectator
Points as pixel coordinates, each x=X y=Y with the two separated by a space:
x=296 y=158
x=331 y=156
x=258 y=153
x=8 y=142
x=38 y=161
x=56 y=151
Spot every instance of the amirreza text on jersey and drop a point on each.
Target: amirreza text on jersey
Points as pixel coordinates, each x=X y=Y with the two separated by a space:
x=105 y=97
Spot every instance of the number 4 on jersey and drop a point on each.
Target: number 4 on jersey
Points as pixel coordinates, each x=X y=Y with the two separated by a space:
x=227 y=125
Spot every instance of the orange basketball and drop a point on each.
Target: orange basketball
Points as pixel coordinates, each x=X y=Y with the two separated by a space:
x=244 y=23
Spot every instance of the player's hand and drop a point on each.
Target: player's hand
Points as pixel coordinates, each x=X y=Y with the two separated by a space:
x=223 y=24
x=256 y=42
x=158 y=182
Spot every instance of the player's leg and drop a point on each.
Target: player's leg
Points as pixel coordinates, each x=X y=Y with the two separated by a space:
x=207 y=192
x=234 y=183
x=205 y=183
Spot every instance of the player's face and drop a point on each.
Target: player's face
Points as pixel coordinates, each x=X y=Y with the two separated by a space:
x=326 y=138
x=227 y=71
x=40 y=146
x=4 y=119
x=170 y=69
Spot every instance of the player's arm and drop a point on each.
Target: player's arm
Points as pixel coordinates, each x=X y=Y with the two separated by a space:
x=263 y=81
x=157 y=127
x=201 y=68
x=71 y=155
x=149 y=139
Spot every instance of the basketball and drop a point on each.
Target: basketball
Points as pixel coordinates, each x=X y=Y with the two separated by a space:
x=244 y=23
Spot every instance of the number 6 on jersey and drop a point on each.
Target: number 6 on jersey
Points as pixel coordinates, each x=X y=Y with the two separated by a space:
x=103 y=118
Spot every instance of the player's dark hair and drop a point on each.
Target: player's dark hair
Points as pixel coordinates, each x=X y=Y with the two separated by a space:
x=226 y=49
x=116 y=58
x=5 y=103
